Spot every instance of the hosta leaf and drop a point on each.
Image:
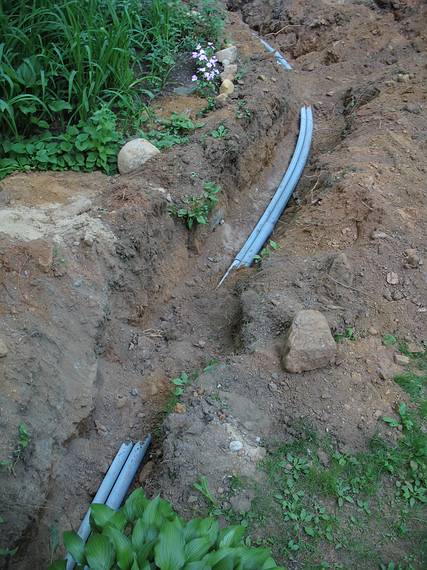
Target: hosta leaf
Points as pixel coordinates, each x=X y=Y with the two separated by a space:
x=252 y=558
x=135 y=505
x=145 y=552
x=75 y=546
x=269 y=565
x=122 y=546
x=151 y=515
x=99 y=552
x=58 y=565
x=197 y=566
x=169 y=550
x=219 y=560
x=197 y=548
x=100 y=515
x=138 y=535
x=231 y=536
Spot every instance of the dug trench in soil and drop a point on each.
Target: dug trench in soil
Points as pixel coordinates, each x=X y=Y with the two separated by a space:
x=94 y=272
x=150 y=305
x=352 y=246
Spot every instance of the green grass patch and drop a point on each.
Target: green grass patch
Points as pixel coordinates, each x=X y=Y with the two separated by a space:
x=320 y=508
x=63 y=62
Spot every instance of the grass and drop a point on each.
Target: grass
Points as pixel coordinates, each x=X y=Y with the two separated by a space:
x=320 y=508
x=62 y=61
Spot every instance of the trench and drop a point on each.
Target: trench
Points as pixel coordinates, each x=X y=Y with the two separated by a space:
x=184 y=322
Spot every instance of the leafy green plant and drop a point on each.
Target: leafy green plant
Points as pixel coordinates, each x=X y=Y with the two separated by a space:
x=18 y=452
x=61 y=59
x=220 y=132
x=146 y=534
x=202 y=485
x=266 y=251
x=242 y=111
x=389 y=340
x=172 y=131
x=348 y=334
x=196 y=209
x=88 y=146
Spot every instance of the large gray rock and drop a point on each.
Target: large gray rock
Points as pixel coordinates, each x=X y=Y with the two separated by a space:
x=228 y=55
x=134 y=154
x=309 y=343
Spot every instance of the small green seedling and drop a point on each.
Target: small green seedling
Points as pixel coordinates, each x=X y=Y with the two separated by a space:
x=18 y=452
x=196 y=209
x=348 y=334
x=242 y=111
x=389 y=340
x=266 y=251
x=202 y=486
x=220 y=133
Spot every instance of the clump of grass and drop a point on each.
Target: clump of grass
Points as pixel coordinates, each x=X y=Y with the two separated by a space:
x=171 y=131
x=61 y=59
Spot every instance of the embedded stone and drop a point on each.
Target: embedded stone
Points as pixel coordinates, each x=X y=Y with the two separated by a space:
x=227 y=87
x=134 y=154
x=228 y=54
x=309 y=343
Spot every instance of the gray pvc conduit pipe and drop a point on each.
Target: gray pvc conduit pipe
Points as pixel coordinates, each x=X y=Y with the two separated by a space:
x=103 y=492
x=279 y=57
x=285 y=190
x=281 y=197
x=121 y=486
x=116 y=483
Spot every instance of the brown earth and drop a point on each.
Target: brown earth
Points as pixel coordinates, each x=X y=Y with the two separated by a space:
x=105 y=297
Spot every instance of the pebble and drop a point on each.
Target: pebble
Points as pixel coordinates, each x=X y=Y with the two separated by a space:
x=3 y=349
x=378 y=235
x=372 y=331
x=180 y=408
x=227 y=56
x=273 y=387
x=401 y=359
x=397 y=295
x=392 y=278
x=227 y=87
x=134 y=392
x=235 y=446
x=121 y=402
x=412 y=258
x=412 y=108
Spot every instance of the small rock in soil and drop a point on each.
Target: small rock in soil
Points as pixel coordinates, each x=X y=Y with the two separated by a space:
x=228 y=54
x=341 y=269
x=273 y=387
x=134 y=392
x=134 y=154
x=241 y=503
x=3 y=349
x=309 y=343
x=378 y=235
x=323 y=458
x=412 y=108
x=229 y=72
x=372 y=331
x=397 y=295
x=392 y=278
x=221 y=99
x=412 y=258
x=401 y=359
x=180 y=408
x=227 y=87
x=235 y=446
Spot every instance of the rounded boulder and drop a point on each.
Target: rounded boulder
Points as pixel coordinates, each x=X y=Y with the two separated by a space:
x=134 y=154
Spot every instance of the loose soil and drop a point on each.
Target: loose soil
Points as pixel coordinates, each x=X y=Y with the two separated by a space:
x=105 y=297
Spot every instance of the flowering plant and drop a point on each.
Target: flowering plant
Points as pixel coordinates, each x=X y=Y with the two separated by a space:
x=207 y=73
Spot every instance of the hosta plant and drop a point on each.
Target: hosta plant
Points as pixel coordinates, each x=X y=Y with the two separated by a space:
x=147 y=534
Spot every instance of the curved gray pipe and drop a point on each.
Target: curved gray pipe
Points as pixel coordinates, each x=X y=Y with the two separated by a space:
x=103 y=492
x=268 y=220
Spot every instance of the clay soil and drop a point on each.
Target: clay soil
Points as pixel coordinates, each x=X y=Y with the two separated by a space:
x=105 y=297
